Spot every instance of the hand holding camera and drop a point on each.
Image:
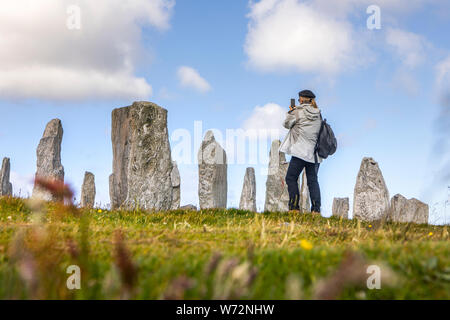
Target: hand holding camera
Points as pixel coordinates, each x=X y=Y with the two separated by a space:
x=292 y=106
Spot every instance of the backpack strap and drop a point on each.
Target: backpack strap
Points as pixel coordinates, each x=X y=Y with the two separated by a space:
x=316 y=148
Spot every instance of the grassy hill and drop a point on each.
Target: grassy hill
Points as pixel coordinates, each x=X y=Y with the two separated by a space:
x=214 y=254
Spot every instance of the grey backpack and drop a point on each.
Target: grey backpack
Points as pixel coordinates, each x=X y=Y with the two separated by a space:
x=326 y=144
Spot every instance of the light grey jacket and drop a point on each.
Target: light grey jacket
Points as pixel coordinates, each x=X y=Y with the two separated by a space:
x=304 y=125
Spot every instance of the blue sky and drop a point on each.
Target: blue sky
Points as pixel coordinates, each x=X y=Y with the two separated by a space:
x=382 y=90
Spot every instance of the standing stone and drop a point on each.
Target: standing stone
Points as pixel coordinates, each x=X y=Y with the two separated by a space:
x=142 y=163
x=371 y=196
x=189 y=207
x=49 y=158
x=175 y=179
x=121 y=139
x=404 y=210
x=340 y=207
x=5 y=185
x=304 y=194
x=113 y=193
x=248 y=195
x=88 y=191
x=212 y=170
x=277 y=195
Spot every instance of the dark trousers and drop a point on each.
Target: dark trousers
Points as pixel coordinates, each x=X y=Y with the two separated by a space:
x=296 y=167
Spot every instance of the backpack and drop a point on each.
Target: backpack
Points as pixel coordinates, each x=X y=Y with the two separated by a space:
x=326 y=144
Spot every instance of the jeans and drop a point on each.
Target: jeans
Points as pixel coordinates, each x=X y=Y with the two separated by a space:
x=295 y=169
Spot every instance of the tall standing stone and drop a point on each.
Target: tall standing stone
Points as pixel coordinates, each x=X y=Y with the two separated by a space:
x=371 y=196
x=404 y=210
x=176 y=183
x=5 y=185
x=142 y=163
x=49 y=158
x=248 y=195
x=304 y=194
x=277 y=195
x=88 y=191
x=340 y=207
x=212 y=171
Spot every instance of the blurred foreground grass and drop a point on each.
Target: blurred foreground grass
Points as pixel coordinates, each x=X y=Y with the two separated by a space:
x=214 y=254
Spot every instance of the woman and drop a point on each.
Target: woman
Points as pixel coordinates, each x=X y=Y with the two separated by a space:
x=304 y=124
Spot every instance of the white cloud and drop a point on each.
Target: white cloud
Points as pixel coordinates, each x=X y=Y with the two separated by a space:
x=441 y=151
x=166 y=94
x=293 y=35
x=443 y=88
x=42 y=58
x=388 y=7
x=443 y=74
x=48 y=82
x=318 y=36
x=22 y=185
x=266 y=119
x=400 y=6
x=406 y=81
x=189 y=77
x=408 y=46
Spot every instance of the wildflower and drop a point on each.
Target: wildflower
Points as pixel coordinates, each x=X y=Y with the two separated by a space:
x=128 y=270
x=351 y=271
x=305 y=244
x=73 y=248
x=9 y=218
x=213 y=263
x=177 y=288
x=57 y=188
x=370 y=226
x=430 y=234
x=99 y=211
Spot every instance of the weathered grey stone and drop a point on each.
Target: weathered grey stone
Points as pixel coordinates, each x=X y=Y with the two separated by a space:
x=189 y=207
x=5 y=185
x=248 y=195
x=371 y=196
x=304 y=194
x=212 y=170
x=113 y=192
x=49 y=158
x=121 y=140
x=88 y=191
x=404 y=210
x=340 y=207
x=176 y=183
x=142 y=163
x=277 y=196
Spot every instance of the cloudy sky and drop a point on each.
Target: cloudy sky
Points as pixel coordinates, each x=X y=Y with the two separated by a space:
x=232 y=65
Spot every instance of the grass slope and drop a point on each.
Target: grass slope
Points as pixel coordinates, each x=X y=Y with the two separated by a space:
x=214 y=254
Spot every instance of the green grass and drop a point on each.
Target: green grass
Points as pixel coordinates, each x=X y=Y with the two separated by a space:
x=214 y=254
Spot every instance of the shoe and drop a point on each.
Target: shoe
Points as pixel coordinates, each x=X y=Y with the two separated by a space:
x=293 y=203
x=315 y=209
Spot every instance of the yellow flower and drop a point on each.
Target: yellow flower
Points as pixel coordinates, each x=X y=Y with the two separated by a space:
x=305 y=244
x=99 y=211
x=370 y=226
x=430 y=234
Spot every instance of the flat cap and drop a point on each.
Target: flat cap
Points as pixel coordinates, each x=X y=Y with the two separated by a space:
x=307 y=94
